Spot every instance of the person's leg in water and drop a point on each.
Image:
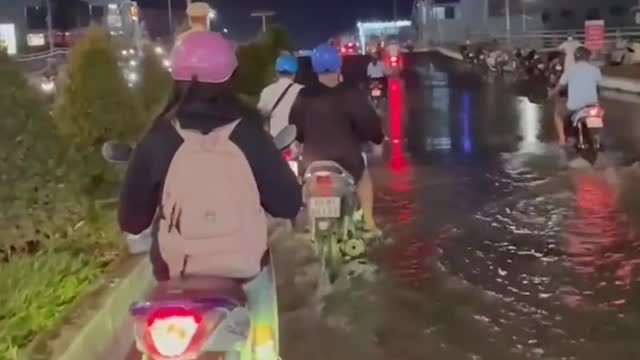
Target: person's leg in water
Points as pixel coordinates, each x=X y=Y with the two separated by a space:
x=558 y=119
x=365 y=196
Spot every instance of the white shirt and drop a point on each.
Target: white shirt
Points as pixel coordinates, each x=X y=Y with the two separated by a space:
x=270 y=94
x=375 y=71
x=569 y=48
x=582 y=80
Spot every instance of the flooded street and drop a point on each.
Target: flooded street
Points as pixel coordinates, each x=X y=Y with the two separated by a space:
x=503 y=246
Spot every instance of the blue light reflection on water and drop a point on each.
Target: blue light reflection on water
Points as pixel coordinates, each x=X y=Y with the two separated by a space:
x=465 y=115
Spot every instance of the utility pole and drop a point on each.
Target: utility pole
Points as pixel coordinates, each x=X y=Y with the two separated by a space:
x=50 y=26
x=264 y=14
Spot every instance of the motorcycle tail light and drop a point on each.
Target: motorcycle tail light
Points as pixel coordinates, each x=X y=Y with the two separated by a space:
x=287 y=153
x=596 y=111
x=172 y=332
x=324 y=180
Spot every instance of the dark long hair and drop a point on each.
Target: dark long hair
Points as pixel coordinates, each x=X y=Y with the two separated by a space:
x=184 y=92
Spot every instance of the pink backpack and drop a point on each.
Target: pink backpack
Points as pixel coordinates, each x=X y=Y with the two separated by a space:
x=212 y=223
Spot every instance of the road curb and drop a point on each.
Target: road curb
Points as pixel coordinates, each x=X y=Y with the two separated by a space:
x=89 y=326
x=608 y=82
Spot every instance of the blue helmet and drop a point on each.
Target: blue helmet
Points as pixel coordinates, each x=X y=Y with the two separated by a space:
x=326 y=59
x=286 y=64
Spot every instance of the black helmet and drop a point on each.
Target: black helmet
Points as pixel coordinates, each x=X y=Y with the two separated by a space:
x=582 y=54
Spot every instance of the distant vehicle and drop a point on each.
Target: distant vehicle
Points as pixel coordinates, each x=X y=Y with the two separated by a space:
x=346 y=44
x=350 y=48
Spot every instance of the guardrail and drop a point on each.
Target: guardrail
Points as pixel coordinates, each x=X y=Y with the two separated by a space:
x=42 y=55
x=548 y=39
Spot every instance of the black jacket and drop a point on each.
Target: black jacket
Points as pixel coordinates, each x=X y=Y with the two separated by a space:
x=334 y=123
x=280 y=193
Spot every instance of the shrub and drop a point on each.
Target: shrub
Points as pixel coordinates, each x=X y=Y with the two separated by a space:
x=96 y=105
x=257 y=59
x=155 y=84
x=53 y=241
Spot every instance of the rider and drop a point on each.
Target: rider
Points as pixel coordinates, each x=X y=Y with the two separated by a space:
x=568 y=47
x=276 y=99
x=203 y=100
x=376 y=72
x=334 y=120
x=582 y=81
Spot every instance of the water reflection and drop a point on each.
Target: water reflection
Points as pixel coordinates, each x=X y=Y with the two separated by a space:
x=465 y=116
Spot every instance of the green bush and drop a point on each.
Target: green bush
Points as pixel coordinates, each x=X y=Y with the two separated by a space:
x=53 y=239
x=96 y=105
x=155 y=84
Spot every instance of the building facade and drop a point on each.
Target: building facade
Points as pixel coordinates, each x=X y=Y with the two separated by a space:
x=29 y=20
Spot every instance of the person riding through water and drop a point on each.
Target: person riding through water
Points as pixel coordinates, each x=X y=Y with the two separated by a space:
x=276 y=99
x=334 y=121
x=582 y=81
x=203 y=106
x=376 y=72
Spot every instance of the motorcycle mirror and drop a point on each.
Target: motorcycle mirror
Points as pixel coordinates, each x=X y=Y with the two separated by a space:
x=285 y=137
x=116 y=152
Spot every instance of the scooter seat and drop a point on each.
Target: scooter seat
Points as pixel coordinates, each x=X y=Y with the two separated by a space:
x=200 y=288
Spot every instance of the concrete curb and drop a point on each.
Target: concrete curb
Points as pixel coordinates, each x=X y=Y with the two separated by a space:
x=90 y=325
x=608 y=82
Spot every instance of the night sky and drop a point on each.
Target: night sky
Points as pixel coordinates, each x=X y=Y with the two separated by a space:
x=310 y=22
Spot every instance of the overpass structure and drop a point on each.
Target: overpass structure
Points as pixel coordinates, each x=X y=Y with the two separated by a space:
x=455 y=21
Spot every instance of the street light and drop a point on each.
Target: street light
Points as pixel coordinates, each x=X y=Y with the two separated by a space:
x=264 y=14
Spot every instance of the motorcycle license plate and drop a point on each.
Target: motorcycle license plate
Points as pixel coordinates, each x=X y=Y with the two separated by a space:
x=594 y=122
x=325 y=207
x=294 y=166
x=376 y=92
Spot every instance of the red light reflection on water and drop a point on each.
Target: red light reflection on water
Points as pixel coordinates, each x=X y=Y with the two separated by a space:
x=411 y=251
x=397 y=162
x=597 y=243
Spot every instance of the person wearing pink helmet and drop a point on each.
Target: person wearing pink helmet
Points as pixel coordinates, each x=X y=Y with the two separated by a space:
x=202 y=100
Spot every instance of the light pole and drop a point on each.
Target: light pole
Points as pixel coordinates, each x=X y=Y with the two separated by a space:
x=395 y=9
x=264 y=14
x=170 y=5
x=507 y=9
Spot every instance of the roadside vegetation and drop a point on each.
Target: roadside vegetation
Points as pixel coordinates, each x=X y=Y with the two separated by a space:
x=58 y=232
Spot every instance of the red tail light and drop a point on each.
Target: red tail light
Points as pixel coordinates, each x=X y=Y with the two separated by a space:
x=287 y=153
x=596 y=111
x=173 y=332
x=324 y=180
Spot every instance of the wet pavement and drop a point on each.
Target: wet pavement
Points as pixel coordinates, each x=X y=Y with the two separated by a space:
x=503 y=246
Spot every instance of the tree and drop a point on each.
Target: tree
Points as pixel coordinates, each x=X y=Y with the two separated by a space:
x=96 y=105
x=256 y=60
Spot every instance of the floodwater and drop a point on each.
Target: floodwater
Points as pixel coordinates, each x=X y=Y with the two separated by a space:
x=503 y=246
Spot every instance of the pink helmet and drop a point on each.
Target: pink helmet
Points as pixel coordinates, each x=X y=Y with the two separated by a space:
x=204 y=55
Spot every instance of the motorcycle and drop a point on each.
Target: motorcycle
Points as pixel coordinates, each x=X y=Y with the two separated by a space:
x=329 y=192
x=586 y=127
x=376 y=93
x=234 y=319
